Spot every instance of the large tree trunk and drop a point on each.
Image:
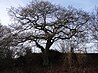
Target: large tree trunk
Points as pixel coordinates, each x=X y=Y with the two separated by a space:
x=45 y=58
x=46 y=53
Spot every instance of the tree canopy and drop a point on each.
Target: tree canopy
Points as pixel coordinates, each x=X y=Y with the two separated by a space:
x=41 y=22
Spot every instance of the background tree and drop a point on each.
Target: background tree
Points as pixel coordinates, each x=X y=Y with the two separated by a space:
x=94 y=28
x=43 y=24
x=74 y=45
x=4 y=41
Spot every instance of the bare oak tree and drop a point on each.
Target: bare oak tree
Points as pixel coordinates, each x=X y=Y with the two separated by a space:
x=44 y=23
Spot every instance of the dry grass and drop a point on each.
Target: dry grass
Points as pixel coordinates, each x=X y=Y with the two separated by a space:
x=60 y=65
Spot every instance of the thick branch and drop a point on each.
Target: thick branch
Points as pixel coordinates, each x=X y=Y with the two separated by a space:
x=39 y=46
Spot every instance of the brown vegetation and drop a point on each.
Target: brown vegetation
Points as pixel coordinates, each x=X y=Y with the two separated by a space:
x=58 y=64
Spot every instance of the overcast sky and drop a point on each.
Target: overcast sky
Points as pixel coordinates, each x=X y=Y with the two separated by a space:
x=87 y=5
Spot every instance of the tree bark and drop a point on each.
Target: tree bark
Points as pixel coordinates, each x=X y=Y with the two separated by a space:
x=46 y=53
x=45 y=58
